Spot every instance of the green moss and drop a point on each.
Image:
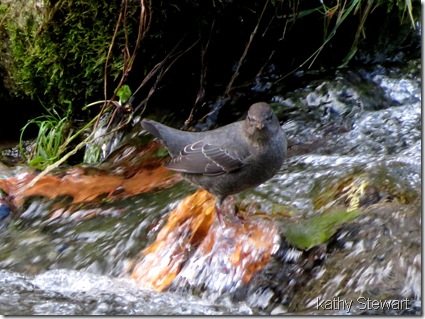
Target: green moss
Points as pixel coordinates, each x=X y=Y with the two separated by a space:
x=3 y=9
x=64 y=57
x=161 y=153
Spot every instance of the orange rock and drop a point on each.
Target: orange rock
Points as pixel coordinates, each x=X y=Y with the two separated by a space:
x=84 y=187
x=190 y=244
x=186 y=227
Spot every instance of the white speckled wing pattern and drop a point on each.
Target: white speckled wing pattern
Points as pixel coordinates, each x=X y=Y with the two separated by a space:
x=206 y=159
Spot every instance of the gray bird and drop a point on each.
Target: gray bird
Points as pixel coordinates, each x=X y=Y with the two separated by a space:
x=229 y=159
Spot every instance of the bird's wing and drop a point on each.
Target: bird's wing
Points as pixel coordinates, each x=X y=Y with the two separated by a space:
x=206 y=159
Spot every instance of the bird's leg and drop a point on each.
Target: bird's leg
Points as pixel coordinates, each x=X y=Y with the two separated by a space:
x=218 y=210
x=231 y=206
x=226 y=206
x=219 y=214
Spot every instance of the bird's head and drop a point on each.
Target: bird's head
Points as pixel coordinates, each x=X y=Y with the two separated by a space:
x=261 y=121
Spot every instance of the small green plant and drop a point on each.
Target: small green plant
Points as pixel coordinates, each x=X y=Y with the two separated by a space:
x=55 y=134
x=55 y=161
x=124 y=94
x=51 y=142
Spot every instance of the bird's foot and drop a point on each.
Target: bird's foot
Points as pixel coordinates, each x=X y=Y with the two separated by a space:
x=228 y=210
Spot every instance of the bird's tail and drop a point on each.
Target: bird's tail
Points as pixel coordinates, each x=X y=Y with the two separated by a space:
x=173 y=139
x=151 y=127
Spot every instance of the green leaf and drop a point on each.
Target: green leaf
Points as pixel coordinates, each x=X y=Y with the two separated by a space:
x=124 y=93
x=318 y=229
x=36 y=161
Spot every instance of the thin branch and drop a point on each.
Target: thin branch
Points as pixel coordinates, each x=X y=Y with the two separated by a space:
x=142 y=31
x=144 y=26
x=251 y=37
x=128 y=59
x=105 y=75
x=155 y=70
x=162 y=71
x=202 y=76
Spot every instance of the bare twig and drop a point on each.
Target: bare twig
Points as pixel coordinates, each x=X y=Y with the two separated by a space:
x=144 y=24
x=251 y=37
x=265 y=63
x=202 y=76
x=142 y=31
x=160 y=67
x=105 y=73
x=157 y=68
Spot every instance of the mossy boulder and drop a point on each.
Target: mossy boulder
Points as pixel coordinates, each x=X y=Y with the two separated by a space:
x=56 y=50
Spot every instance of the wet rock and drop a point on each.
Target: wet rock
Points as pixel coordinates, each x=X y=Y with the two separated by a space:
x=133 y=174
x=377 y=257
x=5 y=215
x=191 y=253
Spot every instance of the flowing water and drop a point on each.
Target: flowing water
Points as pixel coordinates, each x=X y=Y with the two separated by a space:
x=354 y=138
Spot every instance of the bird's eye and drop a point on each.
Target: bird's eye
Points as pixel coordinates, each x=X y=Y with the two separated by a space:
x=269 y=118
x=250 y=119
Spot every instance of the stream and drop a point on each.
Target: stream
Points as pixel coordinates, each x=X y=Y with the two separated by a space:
x=354 y=145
